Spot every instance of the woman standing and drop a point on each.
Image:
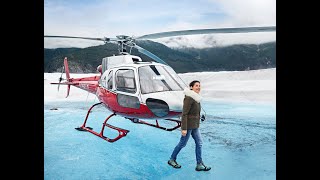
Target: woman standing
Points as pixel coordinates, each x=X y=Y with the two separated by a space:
x=190 y=125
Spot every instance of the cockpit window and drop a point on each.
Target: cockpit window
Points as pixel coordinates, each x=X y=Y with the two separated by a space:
x=157 y=79
x=175 y=76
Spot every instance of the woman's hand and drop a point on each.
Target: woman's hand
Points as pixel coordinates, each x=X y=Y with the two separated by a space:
x=184 y=132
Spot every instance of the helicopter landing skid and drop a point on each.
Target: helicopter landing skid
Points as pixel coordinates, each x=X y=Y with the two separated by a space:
x=122 y=132
x=157 y=124
x=81 y=129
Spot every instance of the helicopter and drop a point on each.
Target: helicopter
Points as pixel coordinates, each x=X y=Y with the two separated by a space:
x=134 y=89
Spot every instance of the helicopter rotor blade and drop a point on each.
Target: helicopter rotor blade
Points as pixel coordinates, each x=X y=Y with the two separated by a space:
x=208 y=31
x=75 y=37
x=149 y=54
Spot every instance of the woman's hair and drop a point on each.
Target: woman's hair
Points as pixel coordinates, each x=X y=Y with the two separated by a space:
x=193 y=82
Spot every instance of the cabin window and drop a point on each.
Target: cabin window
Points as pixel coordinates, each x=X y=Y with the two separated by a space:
x=125 y=80
x=110 y=81
x=128 y=101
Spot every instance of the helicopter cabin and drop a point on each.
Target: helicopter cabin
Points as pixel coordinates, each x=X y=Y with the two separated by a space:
x=135 y=82
x=110 y=62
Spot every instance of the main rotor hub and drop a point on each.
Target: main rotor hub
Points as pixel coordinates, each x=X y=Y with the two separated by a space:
x=124 y=37
x=124 y=42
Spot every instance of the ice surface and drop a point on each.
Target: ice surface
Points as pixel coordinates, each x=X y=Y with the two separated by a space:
x=239 y=134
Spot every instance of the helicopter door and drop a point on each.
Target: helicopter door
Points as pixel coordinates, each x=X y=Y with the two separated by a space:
x=106 y=80
x=106 y=87
x=126 y=86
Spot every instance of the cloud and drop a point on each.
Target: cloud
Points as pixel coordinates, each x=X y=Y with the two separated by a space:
x=218 y=40
x=95 y=18
x=249 y=12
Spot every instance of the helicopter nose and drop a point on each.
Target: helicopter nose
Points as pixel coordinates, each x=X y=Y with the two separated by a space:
x=158 y=107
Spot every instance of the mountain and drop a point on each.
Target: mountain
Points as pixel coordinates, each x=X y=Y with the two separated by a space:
x=235 y=57
x=185 y=59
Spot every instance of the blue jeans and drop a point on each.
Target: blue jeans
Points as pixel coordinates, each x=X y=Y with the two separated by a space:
x=183 y=142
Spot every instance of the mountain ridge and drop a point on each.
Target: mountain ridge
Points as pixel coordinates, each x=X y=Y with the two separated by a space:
x=227 y=58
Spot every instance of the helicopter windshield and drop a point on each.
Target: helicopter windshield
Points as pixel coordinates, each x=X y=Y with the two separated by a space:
x=158 y=78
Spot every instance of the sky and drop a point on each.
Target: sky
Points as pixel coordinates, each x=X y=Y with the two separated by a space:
x=98 y=18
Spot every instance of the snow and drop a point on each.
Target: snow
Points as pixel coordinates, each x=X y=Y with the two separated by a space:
x=239 y=133
x=252 y=86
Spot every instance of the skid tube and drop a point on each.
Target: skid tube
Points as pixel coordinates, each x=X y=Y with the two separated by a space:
x=134 y=120
x=122 y=132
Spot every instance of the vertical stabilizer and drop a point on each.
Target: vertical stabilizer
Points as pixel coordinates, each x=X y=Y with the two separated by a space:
x=66 y=67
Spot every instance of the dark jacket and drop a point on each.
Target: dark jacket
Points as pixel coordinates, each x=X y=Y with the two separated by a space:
x=190 y=113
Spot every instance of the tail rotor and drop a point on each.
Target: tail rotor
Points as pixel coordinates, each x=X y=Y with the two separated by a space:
x=68 y=81
x=60 y=79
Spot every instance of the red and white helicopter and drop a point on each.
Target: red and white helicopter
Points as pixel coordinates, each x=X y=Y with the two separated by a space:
x=135 y=89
